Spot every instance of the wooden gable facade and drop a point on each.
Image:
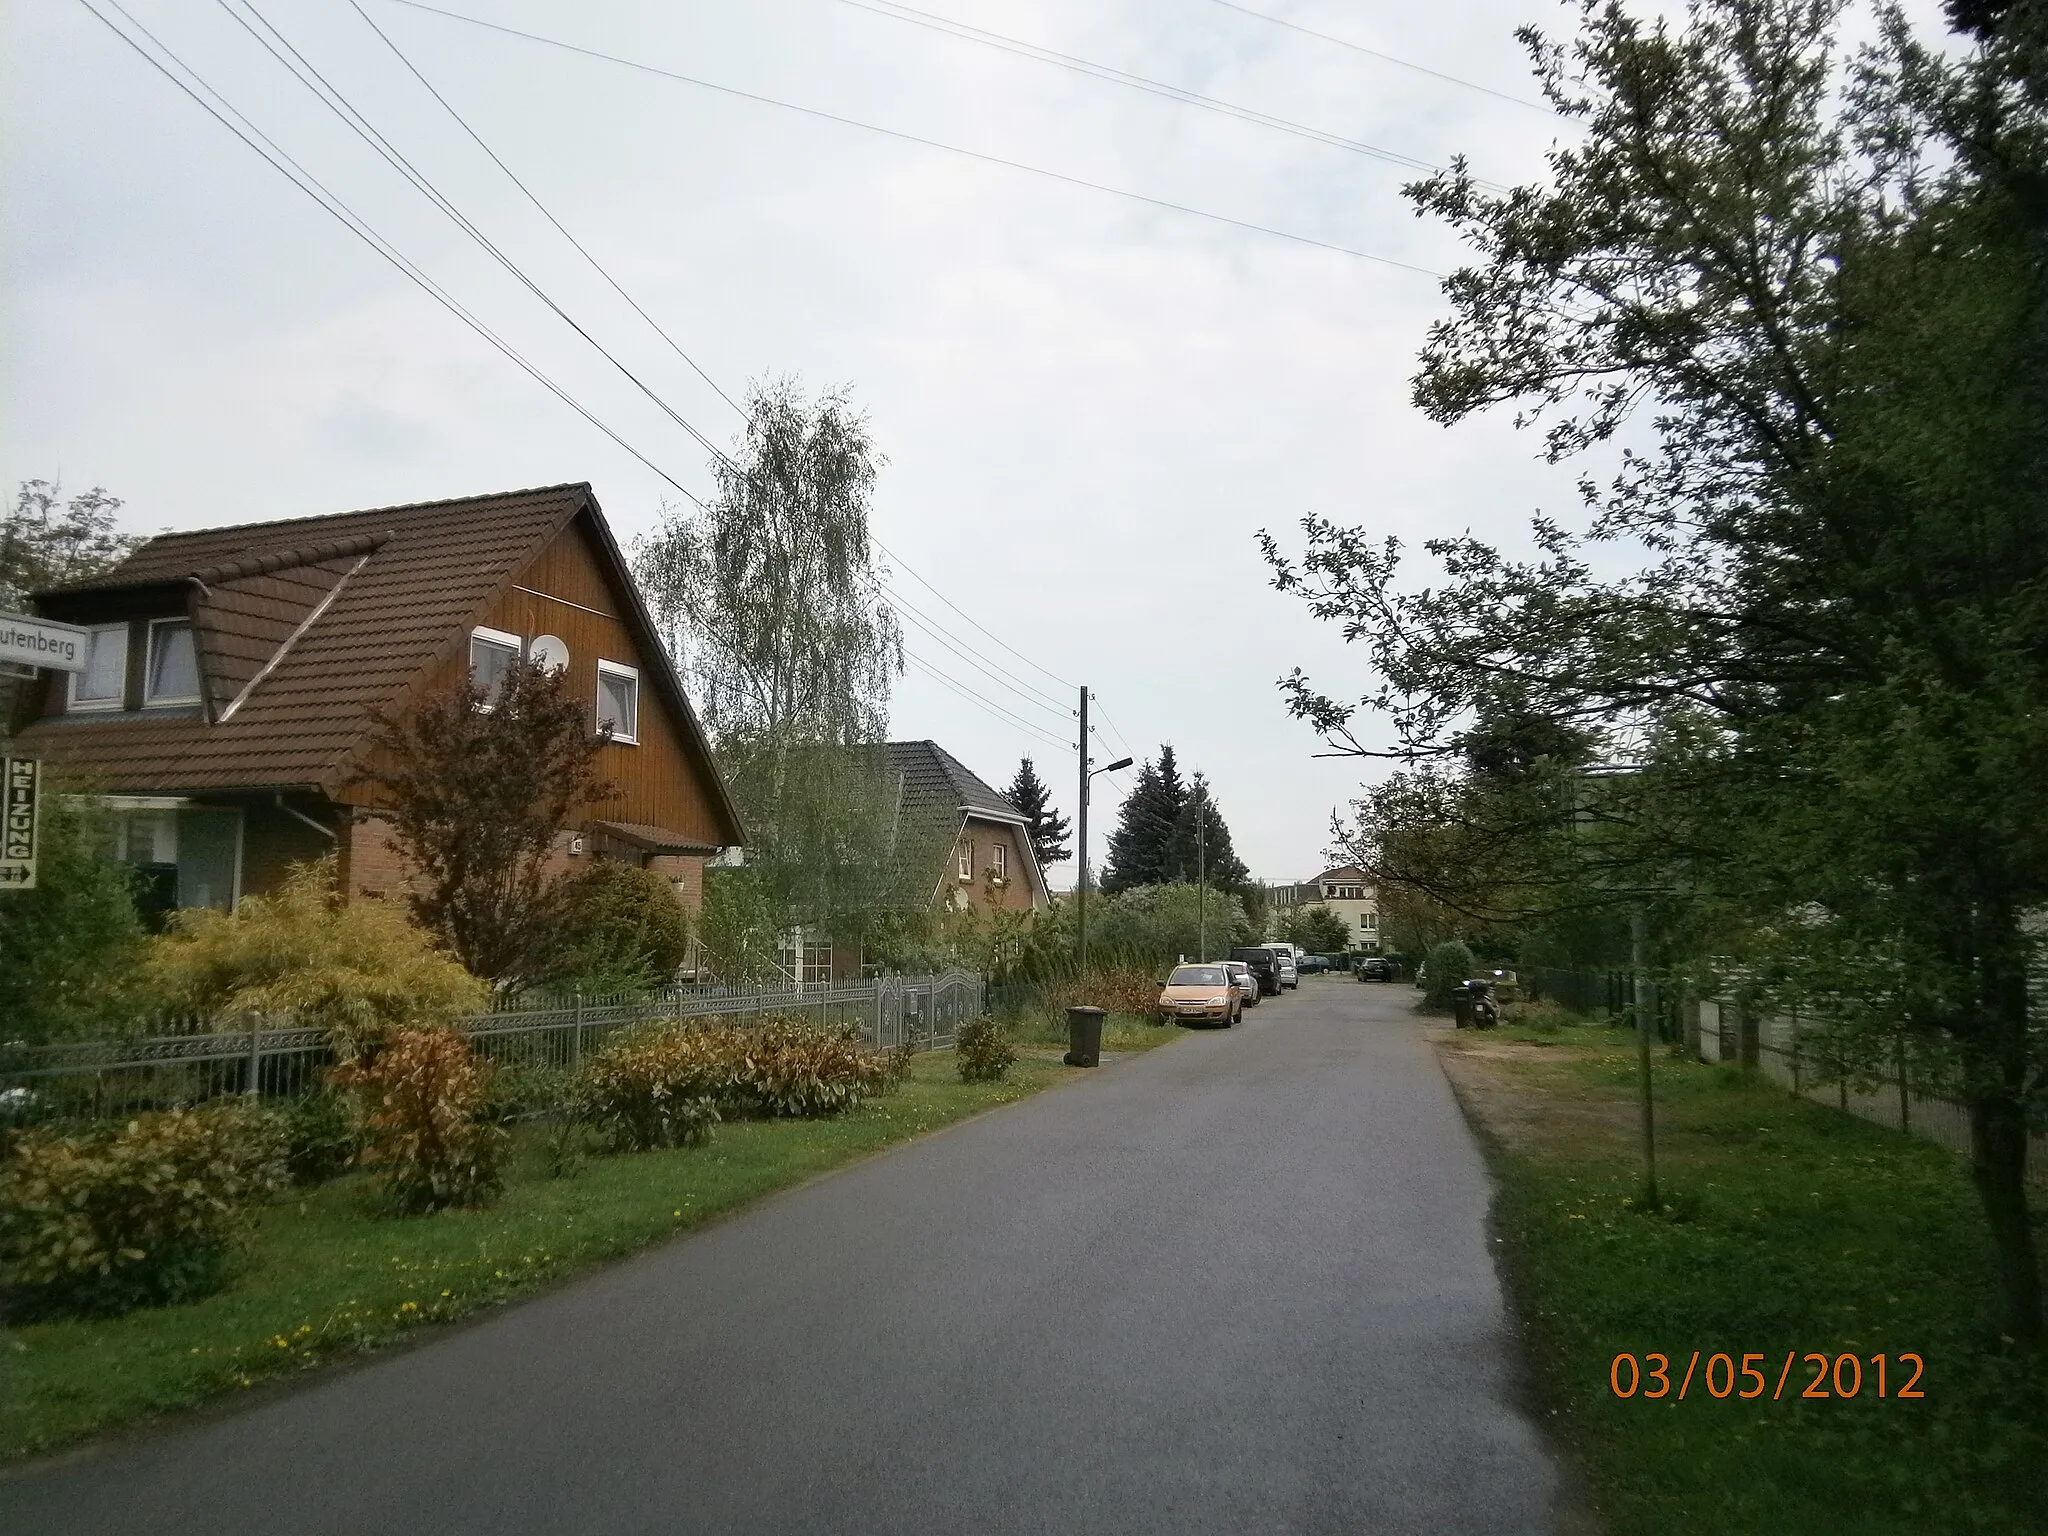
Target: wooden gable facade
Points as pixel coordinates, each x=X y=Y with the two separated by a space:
x=308 y=630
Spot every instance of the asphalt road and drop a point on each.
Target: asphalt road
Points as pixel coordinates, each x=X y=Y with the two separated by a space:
x=1240 y=1284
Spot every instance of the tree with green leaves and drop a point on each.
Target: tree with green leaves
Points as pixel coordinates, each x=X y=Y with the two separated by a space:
x=772 y=600
x=480 y=785
x=69 y=949
x=50 y=540
x=1316 y=929
x=1792 y=307
x=1045 y=826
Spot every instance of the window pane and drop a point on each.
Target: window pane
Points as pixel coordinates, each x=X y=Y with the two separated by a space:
x=106 y=667
x=489 y=661
x=206 y=858
x=618 y=704
x=173 y=662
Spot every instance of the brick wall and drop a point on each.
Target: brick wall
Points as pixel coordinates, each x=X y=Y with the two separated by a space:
x=686 y=873
x=370 y=865
x=272 y=842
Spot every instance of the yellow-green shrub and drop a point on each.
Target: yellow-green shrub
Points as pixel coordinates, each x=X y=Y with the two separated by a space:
x=133 y=1214
x=983 y=1051
x=634 y=1088
x=424 y=1095
x=361 y=969
x=655 y=1088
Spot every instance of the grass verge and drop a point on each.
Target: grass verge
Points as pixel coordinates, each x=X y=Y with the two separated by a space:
x=329 y=1275
x=1120 y=1032
x=1787 y=1227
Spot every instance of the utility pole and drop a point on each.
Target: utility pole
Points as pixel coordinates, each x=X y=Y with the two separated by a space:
x=1081 y=889
x=1202 y=879
x=1637 y=938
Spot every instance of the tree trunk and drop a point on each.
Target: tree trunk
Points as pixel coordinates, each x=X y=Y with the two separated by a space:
x=1997 y=1096
x=1998 y=1167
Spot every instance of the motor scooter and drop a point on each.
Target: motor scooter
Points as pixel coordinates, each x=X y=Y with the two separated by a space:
x=1477 y=1007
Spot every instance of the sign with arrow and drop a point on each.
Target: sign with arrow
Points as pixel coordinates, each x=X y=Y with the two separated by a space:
x=20 y=806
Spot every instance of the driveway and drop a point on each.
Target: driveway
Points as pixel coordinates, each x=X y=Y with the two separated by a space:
x=1239 y=1284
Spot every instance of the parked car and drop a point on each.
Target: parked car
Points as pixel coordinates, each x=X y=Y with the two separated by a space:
x=1264 y=964
x=1309 y=965
x=1290 y=970
x=1241 y=977
x=1375 y=968
x=1195 y=993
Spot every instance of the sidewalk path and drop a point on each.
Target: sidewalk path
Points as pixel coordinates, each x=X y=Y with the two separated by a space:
x=1238 y=1285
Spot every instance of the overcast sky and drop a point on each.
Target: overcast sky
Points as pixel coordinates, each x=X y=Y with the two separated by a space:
x=1090 y=405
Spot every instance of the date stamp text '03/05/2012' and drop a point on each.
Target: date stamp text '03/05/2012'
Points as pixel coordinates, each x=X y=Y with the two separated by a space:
x=1743 y=1377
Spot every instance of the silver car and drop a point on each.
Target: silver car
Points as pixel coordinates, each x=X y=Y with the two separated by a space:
x=1247 y=984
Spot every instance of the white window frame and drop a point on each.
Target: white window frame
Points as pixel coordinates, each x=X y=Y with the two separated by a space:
x=631 y=736
x=999 y=860
x=154 y=701
x=516 y=643
x=120 y=699
x=965 y=865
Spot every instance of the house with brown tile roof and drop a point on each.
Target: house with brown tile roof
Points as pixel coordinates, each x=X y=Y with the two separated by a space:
x=959 y=843
x=234 y=675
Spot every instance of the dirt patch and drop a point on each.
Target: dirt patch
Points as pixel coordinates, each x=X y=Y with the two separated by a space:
x=1524 y=1094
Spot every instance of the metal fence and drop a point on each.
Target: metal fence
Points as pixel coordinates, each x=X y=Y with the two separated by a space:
x=1605 y=992
x=192 y=1060
x=1786 y=1048
x=1793 y=1052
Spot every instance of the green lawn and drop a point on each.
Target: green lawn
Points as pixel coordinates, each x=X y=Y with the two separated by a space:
x=1790 y=1227
x=329 y=1276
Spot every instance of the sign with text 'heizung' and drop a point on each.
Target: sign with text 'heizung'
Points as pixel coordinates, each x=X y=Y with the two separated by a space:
x=39 y=643
x=20 y=793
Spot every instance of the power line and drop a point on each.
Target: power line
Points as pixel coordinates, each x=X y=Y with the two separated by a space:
x=337 y=102
x=1114 y=729
x=970 y=618
x=1114 y=76
x=1385 y=58
x=970 y=658
x=280 y=161
x=985 y=663
x=969 y=653
x=987 y=704
x=309 y=75
x=912 y=138
x=528 y=193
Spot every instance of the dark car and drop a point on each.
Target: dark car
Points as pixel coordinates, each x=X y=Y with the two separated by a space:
x=1308 y=965
x=1375 y=968
x=1265 y=965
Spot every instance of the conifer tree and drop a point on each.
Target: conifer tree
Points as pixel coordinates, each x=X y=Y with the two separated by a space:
x=1200 y=846
x=1141 y=847
x=1046 y=827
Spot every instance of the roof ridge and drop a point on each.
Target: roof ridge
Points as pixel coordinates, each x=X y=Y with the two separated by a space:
x=403 y=506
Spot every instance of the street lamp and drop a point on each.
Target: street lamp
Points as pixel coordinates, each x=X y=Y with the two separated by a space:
x=1081 y=887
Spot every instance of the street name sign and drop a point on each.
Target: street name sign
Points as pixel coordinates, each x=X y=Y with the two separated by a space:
x=39 y=643
x=20 y=795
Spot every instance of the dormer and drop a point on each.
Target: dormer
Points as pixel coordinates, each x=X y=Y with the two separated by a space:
x=147 y=661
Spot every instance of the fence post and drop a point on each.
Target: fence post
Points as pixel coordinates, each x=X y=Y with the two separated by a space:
x=576 y=1040
x=1905 y=1114
x=255 y=1055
